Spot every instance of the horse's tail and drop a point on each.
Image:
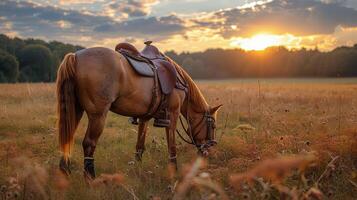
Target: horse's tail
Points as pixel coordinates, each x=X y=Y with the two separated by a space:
x=67 y=103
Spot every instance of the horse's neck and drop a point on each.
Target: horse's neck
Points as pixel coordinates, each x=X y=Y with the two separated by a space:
x=196 y=100
x=195 y=107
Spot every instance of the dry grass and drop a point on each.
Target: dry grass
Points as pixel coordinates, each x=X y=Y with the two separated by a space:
x=260 y=132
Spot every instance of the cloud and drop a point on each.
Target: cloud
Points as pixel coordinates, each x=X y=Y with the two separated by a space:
x=69 y=2
x=130 y=8
x=34 y=20
x=6 y=27
x=144 y=26
x=302 y=17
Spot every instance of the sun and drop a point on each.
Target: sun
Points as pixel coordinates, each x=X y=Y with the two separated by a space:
x=258 y=42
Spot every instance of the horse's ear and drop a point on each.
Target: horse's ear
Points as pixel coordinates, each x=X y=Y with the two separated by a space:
x=215 y=109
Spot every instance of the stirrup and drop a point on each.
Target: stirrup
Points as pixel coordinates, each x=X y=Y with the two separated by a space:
x=133 y=120
x=161 y=123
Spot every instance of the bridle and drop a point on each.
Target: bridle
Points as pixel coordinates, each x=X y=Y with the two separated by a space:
x=210 y=126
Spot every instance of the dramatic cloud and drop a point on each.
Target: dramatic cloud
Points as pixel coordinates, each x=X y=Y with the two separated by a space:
x=32 y=20
x=143 y=26
x=302 y=17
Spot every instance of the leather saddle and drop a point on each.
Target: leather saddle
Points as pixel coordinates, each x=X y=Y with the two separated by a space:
x=147 y=61
x=150 y=62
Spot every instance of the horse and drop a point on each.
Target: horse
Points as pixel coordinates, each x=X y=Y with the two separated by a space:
x=98 y=80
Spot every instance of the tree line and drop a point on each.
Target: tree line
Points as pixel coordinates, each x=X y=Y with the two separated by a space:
x=271 y=62
x=33 y=60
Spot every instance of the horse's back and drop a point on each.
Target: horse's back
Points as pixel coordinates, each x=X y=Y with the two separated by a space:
x=98 y=71
x=105 y=80
x=96 y=58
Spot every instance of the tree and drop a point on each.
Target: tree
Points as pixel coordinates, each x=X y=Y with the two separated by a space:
x=193 y=67
x=36 y=64
x=9 y=67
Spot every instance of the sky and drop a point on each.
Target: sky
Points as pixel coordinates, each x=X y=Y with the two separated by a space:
x=185 y=25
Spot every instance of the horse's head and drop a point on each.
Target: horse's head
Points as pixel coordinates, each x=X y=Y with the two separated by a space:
x=203 y=129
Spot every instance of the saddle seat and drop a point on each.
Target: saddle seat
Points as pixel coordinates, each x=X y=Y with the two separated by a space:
x=150 y=62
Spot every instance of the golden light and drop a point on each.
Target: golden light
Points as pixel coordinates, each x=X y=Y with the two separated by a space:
x=259 y=42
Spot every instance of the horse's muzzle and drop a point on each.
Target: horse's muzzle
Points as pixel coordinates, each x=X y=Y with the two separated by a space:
x=203 y=149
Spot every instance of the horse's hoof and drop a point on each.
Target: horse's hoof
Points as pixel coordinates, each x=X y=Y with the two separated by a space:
x=138 y=157
x=65 y=171
x=89 y=168
x=64 y=167
x=139 y=154
x=88 y=177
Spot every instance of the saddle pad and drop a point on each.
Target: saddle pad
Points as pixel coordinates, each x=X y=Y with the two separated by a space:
x=142 y=68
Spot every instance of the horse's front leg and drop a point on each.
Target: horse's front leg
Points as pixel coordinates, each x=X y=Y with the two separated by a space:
x=170 y=137
x=140 y=143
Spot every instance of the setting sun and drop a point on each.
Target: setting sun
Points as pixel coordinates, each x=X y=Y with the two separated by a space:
x=258 y=42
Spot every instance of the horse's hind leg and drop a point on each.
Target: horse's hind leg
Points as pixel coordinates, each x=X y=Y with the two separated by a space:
x=140 y=143
x=95 y=128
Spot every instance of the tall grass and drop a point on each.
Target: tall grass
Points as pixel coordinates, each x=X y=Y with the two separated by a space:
x=260 y=124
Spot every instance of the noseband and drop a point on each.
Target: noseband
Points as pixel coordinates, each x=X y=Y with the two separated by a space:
x=210 y=126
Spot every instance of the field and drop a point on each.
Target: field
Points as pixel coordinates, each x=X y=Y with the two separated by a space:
x=265 y=130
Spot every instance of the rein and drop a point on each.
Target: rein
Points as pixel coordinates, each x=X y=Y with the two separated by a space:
x=187 y=132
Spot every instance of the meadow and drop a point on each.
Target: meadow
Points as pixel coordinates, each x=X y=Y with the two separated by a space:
x=277 y=139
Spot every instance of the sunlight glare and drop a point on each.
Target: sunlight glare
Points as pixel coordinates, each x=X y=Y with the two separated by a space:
x=258 y=42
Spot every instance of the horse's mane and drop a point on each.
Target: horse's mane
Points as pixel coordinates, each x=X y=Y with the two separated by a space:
x=196 y=97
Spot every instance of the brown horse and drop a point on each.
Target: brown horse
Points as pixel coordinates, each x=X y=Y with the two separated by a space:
x=98 y=80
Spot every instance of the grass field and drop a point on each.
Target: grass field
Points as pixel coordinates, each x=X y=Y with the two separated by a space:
x=266 y=129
